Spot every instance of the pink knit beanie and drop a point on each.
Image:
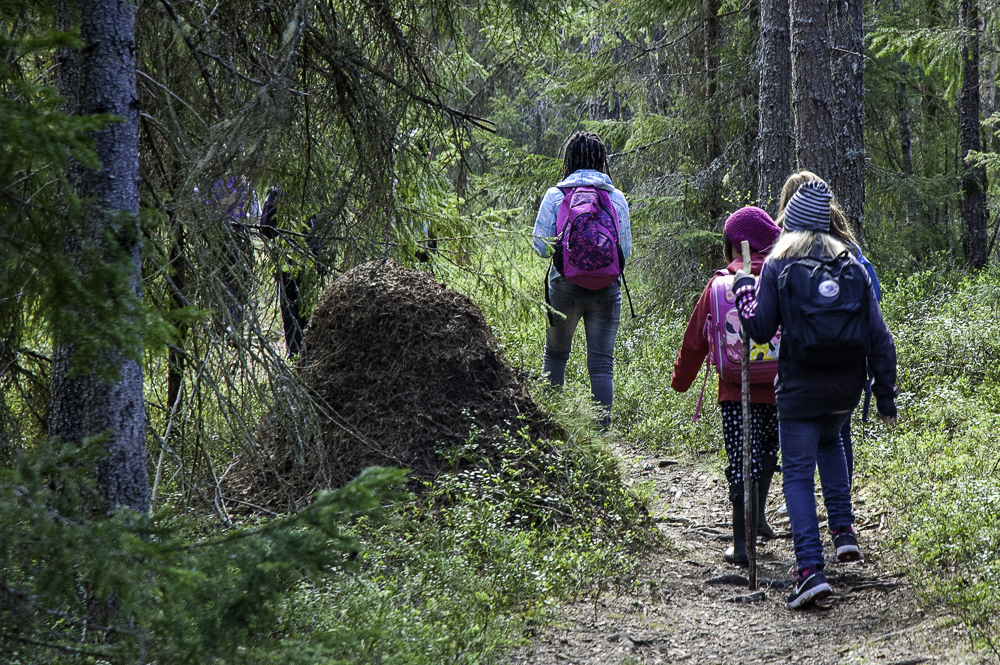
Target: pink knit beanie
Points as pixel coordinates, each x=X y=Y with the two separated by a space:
x=753 y=225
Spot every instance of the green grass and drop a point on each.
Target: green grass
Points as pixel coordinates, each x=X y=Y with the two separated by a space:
x=462 y=574
x=647 y=411
x=474 y=564
x=939 y=470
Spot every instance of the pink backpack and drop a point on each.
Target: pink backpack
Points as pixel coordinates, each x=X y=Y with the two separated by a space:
x=587 y=250
x=725 y=339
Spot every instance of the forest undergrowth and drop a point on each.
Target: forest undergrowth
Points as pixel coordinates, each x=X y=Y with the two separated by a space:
x=935 y=476
x=427 y=132
x=479 y=558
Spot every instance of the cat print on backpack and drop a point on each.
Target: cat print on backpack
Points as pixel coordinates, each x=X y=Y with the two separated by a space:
x=725 y=337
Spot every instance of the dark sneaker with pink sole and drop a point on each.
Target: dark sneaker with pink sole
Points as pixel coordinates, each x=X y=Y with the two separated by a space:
x=846 y=543
x=810 y=586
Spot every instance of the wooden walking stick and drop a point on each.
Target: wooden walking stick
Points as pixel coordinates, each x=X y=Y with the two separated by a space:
x=750 y=515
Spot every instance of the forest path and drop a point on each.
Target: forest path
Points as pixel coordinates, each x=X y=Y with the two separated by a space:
x=676 y=615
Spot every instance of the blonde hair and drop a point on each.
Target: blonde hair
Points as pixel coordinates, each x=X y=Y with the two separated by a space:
x=839 y=227
x=793 y=244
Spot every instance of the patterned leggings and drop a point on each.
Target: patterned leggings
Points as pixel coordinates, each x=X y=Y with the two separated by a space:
x=763 y=439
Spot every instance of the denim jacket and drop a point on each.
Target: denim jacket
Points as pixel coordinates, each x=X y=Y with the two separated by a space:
x=545 y=221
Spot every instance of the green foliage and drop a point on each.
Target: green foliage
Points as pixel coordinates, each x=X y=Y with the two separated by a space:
x=933 y=50
x=363 y=115
x=911 y=87
x=462 y=575
x=647 y=410
x=74 y=586
x=548 y=484
x=937 y=469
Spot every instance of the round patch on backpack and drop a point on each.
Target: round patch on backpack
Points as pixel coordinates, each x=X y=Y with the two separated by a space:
x=829 y=289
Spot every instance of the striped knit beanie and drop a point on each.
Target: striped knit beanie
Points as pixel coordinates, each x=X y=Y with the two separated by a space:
x=809 y=208
x=754 y=225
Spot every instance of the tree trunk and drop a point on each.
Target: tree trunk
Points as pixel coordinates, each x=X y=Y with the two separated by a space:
x=812 y=91
x=848 y=69
x=713 y=202
x=713 y=36
x=607 y=106
x=86 y=404
x=175 y=356
x=905 y=133
x=906 y=146
x=973 y=203
x=774 y=139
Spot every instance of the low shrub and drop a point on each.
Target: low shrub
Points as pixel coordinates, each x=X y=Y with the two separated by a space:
x=939 y=470
x=364 y=573
x=647 y=410
x=133 y=588
x=464 y=573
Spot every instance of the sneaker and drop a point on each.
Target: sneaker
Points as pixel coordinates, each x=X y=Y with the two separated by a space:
x=810 y=586
x=783 y=510
x=846 y=543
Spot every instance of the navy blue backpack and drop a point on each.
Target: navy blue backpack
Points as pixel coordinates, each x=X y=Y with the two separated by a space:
x=824 y=307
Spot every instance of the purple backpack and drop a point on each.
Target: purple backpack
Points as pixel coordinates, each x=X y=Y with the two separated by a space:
x=725 y=337
x=587 y=251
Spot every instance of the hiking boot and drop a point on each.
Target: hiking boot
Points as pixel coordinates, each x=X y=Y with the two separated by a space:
x=737 y=554
x=760 y=498
x=735 y=557
x=810 y=586
x=846 y=543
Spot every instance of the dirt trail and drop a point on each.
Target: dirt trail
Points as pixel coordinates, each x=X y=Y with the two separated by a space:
x=677 y=615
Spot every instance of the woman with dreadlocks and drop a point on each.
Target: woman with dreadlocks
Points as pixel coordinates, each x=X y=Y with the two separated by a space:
x=585 y=178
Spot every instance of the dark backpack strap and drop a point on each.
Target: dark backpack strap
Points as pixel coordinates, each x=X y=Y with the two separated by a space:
x=621 y=255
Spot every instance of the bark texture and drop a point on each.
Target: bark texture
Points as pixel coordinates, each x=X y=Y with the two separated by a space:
x=610 y=105
x=848 y=70
x=973 y=205
x=905 y=133
x=713 y=202
x=713 y=36
x=812 y=90
x=85 y=405
x=774 y=142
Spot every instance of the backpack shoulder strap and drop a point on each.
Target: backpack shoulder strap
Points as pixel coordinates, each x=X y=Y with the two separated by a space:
x=605 y=198
x=708 y=329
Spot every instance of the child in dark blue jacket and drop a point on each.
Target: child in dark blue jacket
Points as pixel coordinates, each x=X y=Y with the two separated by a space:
x=842 y=231
x=814 y=402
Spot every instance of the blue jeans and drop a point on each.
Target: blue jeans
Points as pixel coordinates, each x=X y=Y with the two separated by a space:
x=601 y=312
x=845 y=438
x=806 y=445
